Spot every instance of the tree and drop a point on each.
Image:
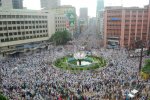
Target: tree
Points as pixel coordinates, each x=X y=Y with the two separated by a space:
x=2 y=97
x=146 y=68
x=60 y=37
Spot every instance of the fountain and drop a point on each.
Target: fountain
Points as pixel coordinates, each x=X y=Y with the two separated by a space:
x=79 y=56
x=79 y=61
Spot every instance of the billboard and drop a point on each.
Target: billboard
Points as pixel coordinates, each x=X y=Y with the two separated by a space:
x=71 y=16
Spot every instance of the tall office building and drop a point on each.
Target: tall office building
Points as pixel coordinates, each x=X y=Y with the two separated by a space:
x=49 y=4
x=83 y=12
x=100 y=17
x=83 y=19
x=100 y=5
x=125 y=25
x=11 y=4
x=17 y=4
x=6 y=4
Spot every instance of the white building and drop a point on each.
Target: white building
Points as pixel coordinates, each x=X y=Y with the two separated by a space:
x=60 y=22
x=6 y=4
x=18 y=27
x=100 y=22
x=49 y=4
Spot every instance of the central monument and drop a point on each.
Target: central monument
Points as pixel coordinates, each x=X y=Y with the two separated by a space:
x=79 y=56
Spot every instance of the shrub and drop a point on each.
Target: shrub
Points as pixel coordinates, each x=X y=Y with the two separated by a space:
x=69 y=63
x=2 y=97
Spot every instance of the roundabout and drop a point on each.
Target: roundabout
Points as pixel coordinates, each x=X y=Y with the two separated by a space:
x=80 y=61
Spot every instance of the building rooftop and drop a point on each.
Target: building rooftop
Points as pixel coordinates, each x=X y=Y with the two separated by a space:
x=120 y=7
x=22 y=11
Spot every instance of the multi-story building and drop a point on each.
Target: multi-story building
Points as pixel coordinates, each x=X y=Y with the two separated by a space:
x=84 y=13
x=100 y=22
x=83 y=19
x=49 y=4
x=17 y=4
x=125 y=25
x=100 y=5
x=65 y=18
x=60 y=22
x=21 y=27
x=6 y=4
x=100 y=17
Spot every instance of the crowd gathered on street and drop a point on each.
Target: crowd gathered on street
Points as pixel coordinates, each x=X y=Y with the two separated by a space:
x=32 y=76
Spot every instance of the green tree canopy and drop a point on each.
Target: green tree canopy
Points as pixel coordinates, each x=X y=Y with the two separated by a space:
x=146 y=68
x=2 y=97
x=60 y=37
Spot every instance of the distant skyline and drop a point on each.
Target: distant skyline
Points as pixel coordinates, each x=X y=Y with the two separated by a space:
x=90 y=4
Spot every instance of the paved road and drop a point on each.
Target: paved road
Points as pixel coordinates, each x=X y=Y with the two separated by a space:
x=89 y=38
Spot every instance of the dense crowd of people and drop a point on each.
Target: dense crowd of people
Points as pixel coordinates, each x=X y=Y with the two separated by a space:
x=33 y=77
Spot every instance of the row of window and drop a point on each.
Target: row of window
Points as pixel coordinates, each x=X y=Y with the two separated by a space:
x=23 y=22
x=135 y=20
x=22 y=27
x=60 y=21
x=61 y=25
x=59 y=18
x=23 y=38
x=127 y=11
x=61 y=29
x=22 y=16
x=23 y=33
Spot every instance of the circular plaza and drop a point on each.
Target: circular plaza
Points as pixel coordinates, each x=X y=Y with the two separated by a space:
x=79 y=61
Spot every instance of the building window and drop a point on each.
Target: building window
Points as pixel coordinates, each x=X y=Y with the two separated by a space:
x=26 y=27
x=23 y=33
x=18 y=27
x=3 y=16
x=14 y=28
x=22 y=27
x=8 y=16
x=19 y=33
x=1 y=34
x=9 y=22
x=1 y=28
x=15 y=33
x=9 y=28
x=17 y=16
x=13 y=16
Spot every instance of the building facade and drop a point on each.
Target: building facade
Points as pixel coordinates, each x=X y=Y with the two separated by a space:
x=100 y=23
x=17 y=4
x=83 y=19
x=65 y=18
x=6 y=4
x=100 y=17
x=84 y=13
x=100 y=5
x=125 y=25
x=60 y=23
x=49 y=4
x=19 y=27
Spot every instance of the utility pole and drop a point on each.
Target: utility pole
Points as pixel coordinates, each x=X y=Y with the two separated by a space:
x=141 y=57
x=0 y=79
x=140 y=45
